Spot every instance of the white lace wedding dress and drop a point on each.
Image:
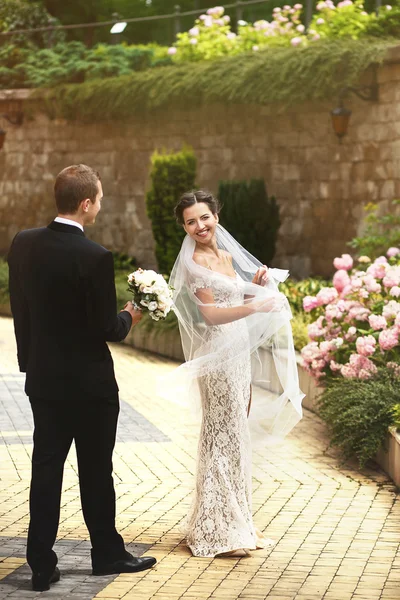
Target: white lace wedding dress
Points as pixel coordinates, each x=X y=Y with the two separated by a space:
x=220 y=518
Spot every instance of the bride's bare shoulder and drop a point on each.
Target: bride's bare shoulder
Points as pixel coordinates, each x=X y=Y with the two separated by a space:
x=200 y=259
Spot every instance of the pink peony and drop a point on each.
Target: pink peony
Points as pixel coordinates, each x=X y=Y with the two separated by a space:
x=341 y=279
x=351 y=334
x=395 y=291
x=377 y=270
x=392 y=277
x=327 y=295
x=388 y=339
x=366 y=345
x=391 y=309
x=344 y=262
x=334 y=366
x=392 y=252
x=377 y=322
x=371 y=284
x=310 y=302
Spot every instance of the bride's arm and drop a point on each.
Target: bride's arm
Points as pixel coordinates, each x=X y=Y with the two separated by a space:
x=214 y=315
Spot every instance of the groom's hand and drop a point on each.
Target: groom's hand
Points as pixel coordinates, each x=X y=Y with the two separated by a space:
x=135 y=313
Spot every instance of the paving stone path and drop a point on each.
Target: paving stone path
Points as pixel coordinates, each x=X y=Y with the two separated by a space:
x=337 y=529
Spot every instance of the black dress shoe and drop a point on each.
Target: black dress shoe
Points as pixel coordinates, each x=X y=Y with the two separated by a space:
x=41 y=583
x=128 y=564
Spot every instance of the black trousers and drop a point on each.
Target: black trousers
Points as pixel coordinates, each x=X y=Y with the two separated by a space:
x=92 y=423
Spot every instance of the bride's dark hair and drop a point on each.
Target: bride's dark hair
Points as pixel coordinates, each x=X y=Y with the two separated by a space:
x=190 y=198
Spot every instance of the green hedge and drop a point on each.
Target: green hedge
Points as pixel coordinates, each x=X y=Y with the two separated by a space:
x=171 y=175
x=4 y=290
x=250 y=216
x=285 y=76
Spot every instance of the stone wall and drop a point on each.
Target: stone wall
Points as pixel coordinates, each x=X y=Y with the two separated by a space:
x=320 y=184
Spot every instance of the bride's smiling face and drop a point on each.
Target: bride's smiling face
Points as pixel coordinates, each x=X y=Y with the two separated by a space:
x=199 y=222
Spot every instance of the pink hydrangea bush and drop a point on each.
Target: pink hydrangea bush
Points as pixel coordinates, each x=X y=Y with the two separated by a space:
x=357 y=320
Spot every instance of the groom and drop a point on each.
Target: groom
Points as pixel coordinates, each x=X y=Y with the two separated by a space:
x=64 y=306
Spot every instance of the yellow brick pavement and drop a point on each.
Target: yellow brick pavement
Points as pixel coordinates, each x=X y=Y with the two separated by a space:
x=336 y=528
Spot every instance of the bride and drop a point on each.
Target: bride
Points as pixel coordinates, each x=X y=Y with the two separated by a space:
x=228 y=306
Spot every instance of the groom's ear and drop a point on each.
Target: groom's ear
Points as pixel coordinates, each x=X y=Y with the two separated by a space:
x=85 y=205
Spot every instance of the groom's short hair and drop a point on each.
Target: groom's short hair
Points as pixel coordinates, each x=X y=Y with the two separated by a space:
x=74 y=184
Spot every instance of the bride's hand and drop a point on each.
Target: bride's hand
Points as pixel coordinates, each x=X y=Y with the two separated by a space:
x=274 y=303
x=261 y=277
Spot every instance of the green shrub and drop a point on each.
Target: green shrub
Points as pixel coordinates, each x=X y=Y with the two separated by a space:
x=250 y=216
x=123 y=262
x=72 y=62
x=295 y=291
x=387 y=24
x=359 y=412
x=4 y=289
x=381 y=231
x=171 y=175
x=299 y=324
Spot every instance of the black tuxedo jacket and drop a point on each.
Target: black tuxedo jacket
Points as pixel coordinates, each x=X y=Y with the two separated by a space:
x=64 y=306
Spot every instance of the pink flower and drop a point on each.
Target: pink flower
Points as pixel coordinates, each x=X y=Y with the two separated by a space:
x=315 y=330
x=392 y=277
x=358 y=312
x=351 y=334
x=345 y=262
x=388 y=339
x=345 y=3
x=391 y=309
x=334 y=366
x=377 y=322
x=392 y=252
x=366 y=345
x=395 y=291
x=296 y=41
x=377 y=270
x=395 y=367
x=172 y=51
x=327 y=295
x=310 y=302
x=371 y=284
x=194 y=31
x=320 y=21
x=341 y=279
x=193 y=41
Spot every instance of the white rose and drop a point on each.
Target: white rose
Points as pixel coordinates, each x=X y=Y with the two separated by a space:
x=152 y=306
x=144 y=303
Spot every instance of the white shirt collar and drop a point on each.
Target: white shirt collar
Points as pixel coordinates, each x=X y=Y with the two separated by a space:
x=68 y=222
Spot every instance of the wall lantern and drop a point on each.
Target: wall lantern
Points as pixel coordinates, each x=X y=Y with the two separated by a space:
x=16 y=118
x=341 y=114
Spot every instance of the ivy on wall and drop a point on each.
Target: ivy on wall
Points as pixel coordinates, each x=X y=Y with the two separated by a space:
x=283 y=76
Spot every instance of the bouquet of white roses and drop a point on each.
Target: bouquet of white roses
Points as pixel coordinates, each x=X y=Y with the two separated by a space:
x=150 y=292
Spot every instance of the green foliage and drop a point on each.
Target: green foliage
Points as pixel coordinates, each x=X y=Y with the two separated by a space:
x=299 y=324
x=387 y=24
x=396 y=416
x=74 y=63
x=349 y=21
x=295 y=291
x=121 y=287
x=250 y=216
x=123 y=262
x=22 y=14
x=4 y=289
x=380 y=231
x=359 y=412
x=275 y=75
x=171 y=175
